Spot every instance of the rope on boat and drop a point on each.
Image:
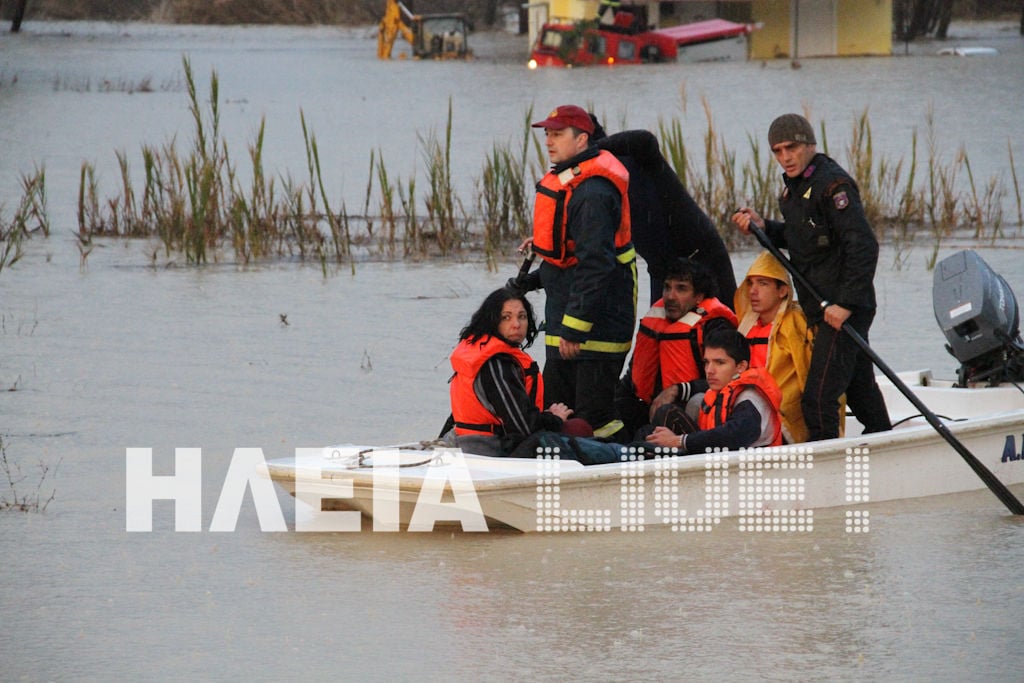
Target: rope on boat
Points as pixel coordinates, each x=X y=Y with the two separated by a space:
x=364 y=458
x=908 y=418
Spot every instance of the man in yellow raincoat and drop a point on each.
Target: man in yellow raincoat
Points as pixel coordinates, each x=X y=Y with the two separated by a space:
x=775 y=325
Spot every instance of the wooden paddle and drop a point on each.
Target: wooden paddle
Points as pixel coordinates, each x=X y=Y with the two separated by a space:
x=991 y=481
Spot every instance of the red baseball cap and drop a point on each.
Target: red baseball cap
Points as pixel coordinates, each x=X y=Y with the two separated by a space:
x=567 y=115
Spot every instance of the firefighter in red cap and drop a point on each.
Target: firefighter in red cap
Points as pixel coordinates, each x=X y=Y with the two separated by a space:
x=581 y=230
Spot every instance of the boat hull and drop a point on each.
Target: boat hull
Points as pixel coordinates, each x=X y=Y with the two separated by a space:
x=771 y=489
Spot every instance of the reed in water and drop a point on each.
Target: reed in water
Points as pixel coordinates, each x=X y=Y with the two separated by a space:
x=192 y=199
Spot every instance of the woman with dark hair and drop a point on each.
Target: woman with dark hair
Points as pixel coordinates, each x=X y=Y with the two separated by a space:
x=497 y=391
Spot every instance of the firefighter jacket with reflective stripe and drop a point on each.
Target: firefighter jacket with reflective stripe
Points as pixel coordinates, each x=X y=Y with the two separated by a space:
x=553 y=239
x=581 y=230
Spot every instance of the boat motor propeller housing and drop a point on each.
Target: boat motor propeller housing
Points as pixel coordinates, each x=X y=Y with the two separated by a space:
x=978 y=313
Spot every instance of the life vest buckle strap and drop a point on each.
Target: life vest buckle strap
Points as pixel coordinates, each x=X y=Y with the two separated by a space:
x=497 y=430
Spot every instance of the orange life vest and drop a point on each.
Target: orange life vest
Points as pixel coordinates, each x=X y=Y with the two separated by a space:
x=717 y=405
x=470 y=415
x=667 y=353
x=551 y=210
x=758 y=337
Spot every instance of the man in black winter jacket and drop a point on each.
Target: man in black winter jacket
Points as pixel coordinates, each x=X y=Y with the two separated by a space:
x=832 y=244
x=582 y=232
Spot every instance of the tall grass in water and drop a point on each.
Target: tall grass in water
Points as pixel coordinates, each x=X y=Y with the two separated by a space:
x=390 y=214
x=720 y=185
x=412 y=240
x=673 y=146
x=334 y=224
x=910 y=209
x=29 y=218
x=11 y=237
x=504 y=193
x=941 y=198
x=185 y=200
x=715 y=188
x=204 y=170
x=196 y=203
x=89 y=214
x=875 y=188
x=498 y=188
x=14 y=498
x=984 y=209
x=387 y=205
x=1016 y=184
x=441 y=199
x=31 y=214
x=898 y=202
x=253 y=215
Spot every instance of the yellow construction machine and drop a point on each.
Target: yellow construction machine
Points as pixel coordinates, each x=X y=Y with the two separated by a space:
x=431 y=36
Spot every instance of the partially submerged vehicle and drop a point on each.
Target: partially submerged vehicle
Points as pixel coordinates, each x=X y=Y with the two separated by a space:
x=431 y=36
x=966 y=51
x=563 y=43
x=419 y=486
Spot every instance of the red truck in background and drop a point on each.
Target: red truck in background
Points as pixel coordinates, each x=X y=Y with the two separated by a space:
x=625 y=42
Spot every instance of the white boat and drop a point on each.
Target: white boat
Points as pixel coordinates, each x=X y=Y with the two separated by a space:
x=948 y=437
x=419 y=488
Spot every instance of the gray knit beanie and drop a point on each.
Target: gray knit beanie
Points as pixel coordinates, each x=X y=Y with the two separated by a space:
x=790 y=128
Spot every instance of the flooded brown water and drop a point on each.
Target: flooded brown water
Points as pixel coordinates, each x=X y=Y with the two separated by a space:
x=124 y=354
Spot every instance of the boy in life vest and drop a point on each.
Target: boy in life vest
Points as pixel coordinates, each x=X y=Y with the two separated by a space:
x=666 y=371
x=776 y=328
x=740 y=409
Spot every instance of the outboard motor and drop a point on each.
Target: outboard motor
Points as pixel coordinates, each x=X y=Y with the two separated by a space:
x=978 y=313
